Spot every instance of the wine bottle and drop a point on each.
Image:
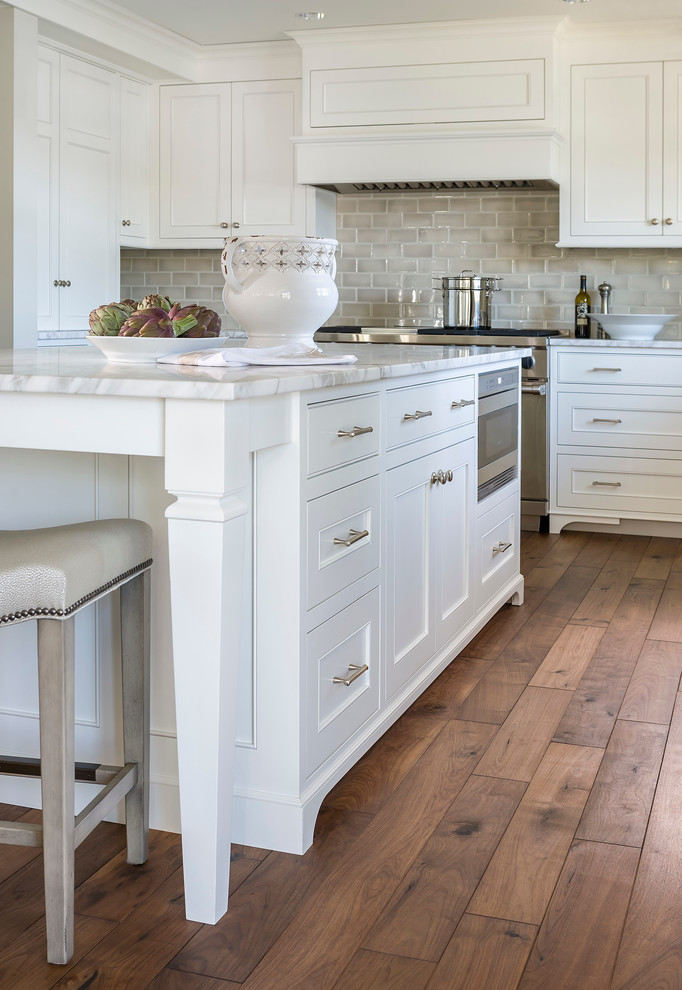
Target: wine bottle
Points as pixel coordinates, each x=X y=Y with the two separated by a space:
x=583 y=307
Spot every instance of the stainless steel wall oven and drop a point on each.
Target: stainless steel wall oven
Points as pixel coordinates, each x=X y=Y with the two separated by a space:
x=498 y=429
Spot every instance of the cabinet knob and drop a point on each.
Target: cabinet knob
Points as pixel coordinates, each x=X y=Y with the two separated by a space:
x=61 y=283
x=224 y=225
x=125 y=223
x=669 y=221
x=655 y=221
x=235 y=225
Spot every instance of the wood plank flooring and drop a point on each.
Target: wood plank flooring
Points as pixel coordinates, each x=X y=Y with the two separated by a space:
x=519 y=828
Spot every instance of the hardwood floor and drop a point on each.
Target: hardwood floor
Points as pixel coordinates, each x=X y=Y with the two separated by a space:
x=519 y=828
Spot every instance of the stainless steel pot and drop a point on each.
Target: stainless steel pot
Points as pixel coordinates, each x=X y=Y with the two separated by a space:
x=467 y=300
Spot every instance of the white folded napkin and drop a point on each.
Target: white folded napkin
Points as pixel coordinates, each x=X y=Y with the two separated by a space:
x=239 y=357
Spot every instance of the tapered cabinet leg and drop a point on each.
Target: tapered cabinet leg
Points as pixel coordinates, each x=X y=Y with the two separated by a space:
x=56 y=689
x=135 y=670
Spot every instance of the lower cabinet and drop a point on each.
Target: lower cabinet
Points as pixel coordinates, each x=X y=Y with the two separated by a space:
x=342 y=667
x=428 y=585
x=616 y=436
x=498 y=544
x=373 y=569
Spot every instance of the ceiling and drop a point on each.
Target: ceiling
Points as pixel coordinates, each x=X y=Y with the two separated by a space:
x=210 y=22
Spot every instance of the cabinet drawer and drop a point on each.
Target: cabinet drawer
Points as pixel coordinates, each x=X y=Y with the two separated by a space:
x=419 y=411
x=342 y=515
x=498 y=542
x=340 y=648
x=611 y=367
x=650 y=422
x=342 y=431
x=623 y=484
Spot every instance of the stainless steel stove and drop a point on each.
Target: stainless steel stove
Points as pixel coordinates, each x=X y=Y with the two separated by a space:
x=534 y=383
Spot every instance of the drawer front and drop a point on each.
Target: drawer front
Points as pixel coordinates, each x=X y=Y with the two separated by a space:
x=337 y=651
x=342 y=516
x=650 y=422
x=342 y=431
x=498 y=541
x=622 y=484
x=423 y=410
x=608 y=367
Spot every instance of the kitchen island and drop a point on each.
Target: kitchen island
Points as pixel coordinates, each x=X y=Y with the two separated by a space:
x=261 y=468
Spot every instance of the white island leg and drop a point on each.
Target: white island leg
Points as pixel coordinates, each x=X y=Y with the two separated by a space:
x=207 y=464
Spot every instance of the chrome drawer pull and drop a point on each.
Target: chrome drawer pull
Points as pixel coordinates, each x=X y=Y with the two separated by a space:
x=357 y=431
x=614 y=421
x=463 y=402
x=534 y=390
x=354 y=536
x=357 y=672
x=501 y=547
x=606 y=484
x=417 y=414
x=607 y=369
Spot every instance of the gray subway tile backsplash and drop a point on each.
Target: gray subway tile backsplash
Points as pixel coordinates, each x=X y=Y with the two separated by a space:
x=393 y=250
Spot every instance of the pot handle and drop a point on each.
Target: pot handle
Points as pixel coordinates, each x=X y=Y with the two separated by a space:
x=228 y=270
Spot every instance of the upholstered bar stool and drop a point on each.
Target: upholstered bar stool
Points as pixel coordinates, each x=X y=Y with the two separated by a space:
x=47 y=576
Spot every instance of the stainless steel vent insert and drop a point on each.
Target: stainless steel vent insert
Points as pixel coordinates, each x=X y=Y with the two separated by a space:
x=445 y=185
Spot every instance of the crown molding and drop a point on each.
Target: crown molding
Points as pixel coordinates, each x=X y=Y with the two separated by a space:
x=426 y=30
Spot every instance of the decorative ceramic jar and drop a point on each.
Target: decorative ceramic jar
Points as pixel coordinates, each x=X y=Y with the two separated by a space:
x=280 y=289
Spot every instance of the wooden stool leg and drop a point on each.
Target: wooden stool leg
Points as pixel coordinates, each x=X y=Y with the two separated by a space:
x=135 y=668
x=56 y=690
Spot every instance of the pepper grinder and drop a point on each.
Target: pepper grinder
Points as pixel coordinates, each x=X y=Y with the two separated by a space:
x=604 y=292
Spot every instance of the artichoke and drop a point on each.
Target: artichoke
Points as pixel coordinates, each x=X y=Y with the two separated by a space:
x=129 y=302
x=106 y=321
x=152 y=322
x=204 y=322
x=155 y=301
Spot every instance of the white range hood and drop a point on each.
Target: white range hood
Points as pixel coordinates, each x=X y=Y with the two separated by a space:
x=438 y=160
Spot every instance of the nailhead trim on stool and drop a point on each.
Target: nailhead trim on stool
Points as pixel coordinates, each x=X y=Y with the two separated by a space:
x=59 y=613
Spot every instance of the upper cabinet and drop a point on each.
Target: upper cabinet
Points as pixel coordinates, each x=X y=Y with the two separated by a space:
x=77 y=190
x=625 y=183
x=134 y=146
x=227 y=162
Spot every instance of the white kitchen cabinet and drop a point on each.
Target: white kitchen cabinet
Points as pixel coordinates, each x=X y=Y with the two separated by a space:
x=77 y=190
x=625 y=185
x=615 y=436
x=428 y=574
x=366 y=584
x=134 y=151
x=226 y=161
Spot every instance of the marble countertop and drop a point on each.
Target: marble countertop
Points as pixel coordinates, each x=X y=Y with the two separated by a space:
x=83 y=370
x=648 y=344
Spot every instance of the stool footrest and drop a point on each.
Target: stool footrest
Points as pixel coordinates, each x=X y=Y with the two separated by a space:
x=19 y=834
x=29 y=766
x=103 y=802
x=123 y=780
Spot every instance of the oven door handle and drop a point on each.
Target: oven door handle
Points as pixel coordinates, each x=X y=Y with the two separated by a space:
x=534 y=390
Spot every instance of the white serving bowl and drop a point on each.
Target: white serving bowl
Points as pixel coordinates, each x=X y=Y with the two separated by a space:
x=145 y=350
x=633 y=326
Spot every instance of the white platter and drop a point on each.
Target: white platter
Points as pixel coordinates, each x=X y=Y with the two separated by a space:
x=145 y=350
x=633 y=326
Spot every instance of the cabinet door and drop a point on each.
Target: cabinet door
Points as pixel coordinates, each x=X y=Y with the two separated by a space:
x=265 y=196
x=453 y=597
x=410 y=505
x=616 y=149
x=88 y=190
x=47 y=190
x=134 y=161
x=672 y=150
x=194 y=167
